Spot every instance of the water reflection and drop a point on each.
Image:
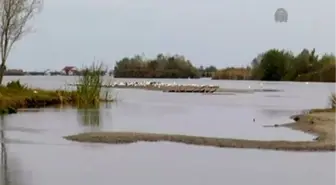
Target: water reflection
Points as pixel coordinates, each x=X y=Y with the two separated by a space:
x=8 y=174
x=3 y=165
x=90 y=118
x=108 y=105
x=56 y=108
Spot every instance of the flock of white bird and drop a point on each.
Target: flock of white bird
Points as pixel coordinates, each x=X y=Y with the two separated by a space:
x=161 y=84
x=155 y=84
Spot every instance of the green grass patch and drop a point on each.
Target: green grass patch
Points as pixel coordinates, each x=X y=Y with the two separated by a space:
x=16 y=95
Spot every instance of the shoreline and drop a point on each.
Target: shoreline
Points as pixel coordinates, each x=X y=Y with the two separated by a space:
x=13 y=99
x=320 y=124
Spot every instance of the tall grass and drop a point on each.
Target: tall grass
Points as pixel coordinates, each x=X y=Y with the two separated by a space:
x=17 y=85
x=89 y=85
x=332 y=100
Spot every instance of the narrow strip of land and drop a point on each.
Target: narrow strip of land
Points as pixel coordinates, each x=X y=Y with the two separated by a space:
x=321 y=124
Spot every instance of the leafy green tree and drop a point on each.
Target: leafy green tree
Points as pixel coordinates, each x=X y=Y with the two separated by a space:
x=163 y=66
x=208 y=71
x=276 y=65
x=272 y=66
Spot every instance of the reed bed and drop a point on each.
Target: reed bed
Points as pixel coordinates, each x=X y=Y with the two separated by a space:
x=89 y=86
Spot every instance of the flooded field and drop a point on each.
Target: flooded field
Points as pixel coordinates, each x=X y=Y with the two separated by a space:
x=36 y=154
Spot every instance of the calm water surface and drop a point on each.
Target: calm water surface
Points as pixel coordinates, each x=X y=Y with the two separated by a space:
x=37 y=154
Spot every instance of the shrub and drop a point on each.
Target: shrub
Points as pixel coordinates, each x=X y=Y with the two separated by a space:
x=16 y=85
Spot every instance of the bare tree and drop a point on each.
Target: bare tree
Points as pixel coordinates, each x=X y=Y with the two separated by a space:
x=14 y=16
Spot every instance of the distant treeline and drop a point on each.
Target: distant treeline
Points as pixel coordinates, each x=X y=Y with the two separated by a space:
x=37 y=73
x=33 y=73
x=272 y=65
x=233 y=73
x=207 y=72
x=162 y=66
x=175 y=66
x=281 y=65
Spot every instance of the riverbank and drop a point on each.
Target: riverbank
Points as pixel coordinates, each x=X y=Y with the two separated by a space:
x=321 y=124
x=15 y=98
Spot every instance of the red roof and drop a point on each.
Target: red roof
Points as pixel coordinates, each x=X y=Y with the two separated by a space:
x=68 y=68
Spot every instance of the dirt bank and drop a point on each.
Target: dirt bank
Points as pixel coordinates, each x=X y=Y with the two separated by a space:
x=321 y=124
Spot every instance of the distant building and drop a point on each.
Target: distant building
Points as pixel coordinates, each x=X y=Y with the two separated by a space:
x=69 y=70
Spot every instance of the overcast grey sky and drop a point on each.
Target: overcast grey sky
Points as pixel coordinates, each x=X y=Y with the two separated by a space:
x=219 y=32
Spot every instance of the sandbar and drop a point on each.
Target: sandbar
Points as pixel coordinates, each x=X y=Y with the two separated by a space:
x=320 y=123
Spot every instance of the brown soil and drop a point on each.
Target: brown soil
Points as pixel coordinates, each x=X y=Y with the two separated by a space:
x=320 y=123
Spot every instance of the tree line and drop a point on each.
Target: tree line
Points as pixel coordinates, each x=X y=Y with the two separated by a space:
x=162 y=66
x=272 y=65
x=282 y=65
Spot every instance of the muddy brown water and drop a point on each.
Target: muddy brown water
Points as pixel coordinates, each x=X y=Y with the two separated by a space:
x=34 y=152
